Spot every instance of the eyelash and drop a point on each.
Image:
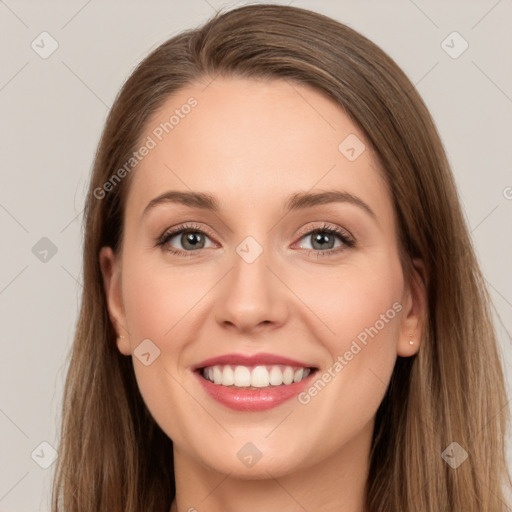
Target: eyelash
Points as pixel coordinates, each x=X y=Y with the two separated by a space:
x=348 y=241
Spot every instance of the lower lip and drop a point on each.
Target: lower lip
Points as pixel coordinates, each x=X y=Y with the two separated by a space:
x=262 y=399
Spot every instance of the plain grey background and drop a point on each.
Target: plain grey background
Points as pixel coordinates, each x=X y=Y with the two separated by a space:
x=53 y=107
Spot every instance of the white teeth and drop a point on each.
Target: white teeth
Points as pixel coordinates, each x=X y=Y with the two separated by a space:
x=260 y=377
x=288 y=375
x=276 y=376
x=228 y=377
x=255 y=376
x=298 y=375
x=217 y=375
x=242 y=376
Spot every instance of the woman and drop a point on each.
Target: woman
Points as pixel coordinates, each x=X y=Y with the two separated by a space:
x=282 y=309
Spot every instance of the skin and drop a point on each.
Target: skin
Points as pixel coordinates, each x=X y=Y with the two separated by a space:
x=252 y=144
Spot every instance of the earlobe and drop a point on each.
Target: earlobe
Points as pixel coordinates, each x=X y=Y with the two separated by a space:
x=111 y=272
x=413 y=323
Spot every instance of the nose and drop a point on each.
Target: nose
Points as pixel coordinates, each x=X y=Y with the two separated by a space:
x=252 y=297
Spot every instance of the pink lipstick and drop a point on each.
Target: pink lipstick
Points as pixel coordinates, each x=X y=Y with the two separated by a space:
x=253 y=382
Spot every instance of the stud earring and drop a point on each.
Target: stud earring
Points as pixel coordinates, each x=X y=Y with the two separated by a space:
x=122 y=337
x=411 y=341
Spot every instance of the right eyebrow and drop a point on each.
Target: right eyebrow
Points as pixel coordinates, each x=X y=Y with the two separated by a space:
x=192 y=199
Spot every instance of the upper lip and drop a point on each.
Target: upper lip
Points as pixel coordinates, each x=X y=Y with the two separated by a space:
x=251 y=360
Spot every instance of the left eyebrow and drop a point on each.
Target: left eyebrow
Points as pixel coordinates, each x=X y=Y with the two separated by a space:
x=297 y=201
x=301 y=200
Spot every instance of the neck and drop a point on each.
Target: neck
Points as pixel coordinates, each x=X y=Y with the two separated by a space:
x=336 y=483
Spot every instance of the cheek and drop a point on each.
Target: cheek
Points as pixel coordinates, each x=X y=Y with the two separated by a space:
x=353 y=299
x=361 y=307
x=156 y=299
x=160 y=305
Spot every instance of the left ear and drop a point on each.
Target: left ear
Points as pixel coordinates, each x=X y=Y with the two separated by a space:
x=414 y=311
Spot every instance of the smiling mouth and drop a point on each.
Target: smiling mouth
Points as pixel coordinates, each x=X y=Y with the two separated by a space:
x=255 y=377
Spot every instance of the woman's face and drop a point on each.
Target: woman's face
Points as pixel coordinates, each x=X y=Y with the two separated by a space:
x=254 y=276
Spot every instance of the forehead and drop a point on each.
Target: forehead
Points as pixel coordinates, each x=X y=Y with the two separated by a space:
x=248 y=141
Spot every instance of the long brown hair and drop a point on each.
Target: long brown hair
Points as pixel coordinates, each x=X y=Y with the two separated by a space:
x=114 y=457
